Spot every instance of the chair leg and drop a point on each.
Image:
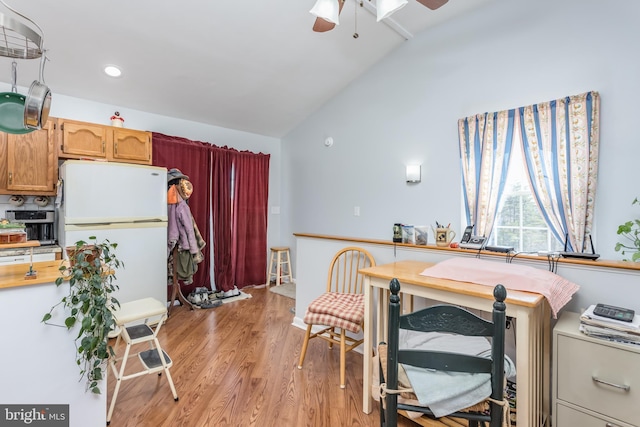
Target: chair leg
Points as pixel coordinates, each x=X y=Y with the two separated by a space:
x=305 y=344
x=269 y=270
x=343 y=357
x=383 y=421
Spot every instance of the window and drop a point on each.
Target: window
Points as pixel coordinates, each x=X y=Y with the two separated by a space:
x=560 y=141
x=518 y=222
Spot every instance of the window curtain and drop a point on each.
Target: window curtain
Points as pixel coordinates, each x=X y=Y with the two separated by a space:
x=221 y=183
x=191 y=157
x=485 y=149
x=250 y=201
x=560 y=145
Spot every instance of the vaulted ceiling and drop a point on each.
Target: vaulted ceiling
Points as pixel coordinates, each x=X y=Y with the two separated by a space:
x=250 y=65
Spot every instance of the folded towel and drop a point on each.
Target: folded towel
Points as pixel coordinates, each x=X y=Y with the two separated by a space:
x=556 y=289
x=447 y=392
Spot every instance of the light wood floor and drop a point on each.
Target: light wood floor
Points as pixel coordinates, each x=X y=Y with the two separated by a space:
x=236 y=365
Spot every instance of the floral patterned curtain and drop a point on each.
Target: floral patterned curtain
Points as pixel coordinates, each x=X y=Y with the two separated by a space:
x=485 y=149
x=560 y=145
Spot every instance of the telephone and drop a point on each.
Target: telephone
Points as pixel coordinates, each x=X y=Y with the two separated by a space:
x=467 y=234
x=469 y=241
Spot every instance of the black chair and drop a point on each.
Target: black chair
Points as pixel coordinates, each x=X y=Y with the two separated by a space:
x=446 y=319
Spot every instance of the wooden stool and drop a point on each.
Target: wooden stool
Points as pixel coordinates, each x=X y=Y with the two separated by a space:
x=280 y=256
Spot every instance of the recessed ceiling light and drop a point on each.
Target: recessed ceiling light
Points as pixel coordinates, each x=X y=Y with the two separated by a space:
x=112 y=70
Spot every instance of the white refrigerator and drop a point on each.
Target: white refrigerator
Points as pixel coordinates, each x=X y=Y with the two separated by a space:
x=126 y=204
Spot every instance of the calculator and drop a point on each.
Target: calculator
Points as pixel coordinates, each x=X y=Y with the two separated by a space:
x=611 y=312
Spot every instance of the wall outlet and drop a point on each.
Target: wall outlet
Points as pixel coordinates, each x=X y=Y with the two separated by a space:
x=356 y=211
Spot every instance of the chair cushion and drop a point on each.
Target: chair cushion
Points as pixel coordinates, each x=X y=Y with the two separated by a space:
x=349 y=307
x=329 y=320
x=344 y=311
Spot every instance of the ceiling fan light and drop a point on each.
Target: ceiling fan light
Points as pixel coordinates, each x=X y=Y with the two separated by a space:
x=387 y=7
x=328 y=10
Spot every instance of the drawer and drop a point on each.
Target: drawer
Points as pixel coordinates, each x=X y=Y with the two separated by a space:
x=580 y=361
x=569 y=417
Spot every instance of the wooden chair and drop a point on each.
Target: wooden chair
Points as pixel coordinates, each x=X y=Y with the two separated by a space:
x=341 y=307
x=452 y=320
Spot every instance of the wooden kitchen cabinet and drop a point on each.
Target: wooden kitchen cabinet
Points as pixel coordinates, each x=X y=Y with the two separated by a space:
x=131 y=146
x=89 y=140
x=29 y=162
x=596 y=382
x=79 y=139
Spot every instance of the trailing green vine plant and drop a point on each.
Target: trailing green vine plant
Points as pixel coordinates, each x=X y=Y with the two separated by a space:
x=630 y=230
x=90 y=273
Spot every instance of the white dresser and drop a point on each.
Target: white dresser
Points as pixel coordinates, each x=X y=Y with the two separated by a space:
x=596 y=383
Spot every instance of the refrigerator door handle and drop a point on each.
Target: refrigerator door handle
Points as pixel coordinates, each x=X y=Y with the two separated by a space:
x=148 y=220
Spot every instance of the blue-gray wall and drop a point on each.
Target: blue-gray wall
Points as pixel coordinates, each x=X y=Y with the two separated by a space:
x=508 y=54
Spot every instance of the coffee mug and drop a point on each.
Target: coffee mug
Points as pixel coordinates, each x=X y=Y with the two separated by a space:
x=444 y=236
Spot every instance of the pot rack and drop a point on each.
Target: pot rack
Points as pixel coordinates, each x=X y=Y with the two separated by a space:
x=19 y=38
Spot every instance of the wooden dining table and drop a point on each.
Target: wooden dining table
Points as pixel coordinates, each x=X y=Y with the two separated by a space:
x=531 y=312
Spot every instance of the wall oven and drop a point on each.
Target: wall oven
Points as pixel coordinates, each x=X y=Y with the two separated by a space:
x=39 y=225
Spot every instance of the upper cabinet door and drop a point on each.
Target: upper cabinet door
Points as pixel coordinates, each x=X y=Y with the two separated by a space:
x=132 y=146
x=81 y=139
x=32 y=163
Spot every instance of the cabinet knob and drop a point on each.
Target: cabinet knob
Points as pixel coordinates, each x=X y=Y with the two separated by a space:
x=103 y=146
x=10 y=177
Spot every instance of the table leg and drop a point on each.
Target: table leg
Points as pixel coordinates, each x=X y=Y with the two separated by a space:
x=368 y=345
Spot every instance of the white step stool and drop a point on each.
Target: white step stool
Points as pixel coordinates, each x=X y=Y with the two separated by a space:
x=150 y=312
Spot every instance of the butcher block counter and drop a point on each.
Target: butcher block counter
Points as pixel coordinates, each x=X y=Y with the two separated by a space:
x=12 y=276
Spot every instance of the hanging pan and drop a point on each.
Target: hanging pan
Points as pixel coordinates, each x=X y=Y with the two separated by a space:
x=38 y=101
x=12 y=108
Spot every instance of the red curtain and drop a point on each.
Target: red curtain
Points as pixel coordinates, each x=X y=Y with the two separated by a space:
x=221 y=182
x=239 y=220
x=192 y=158
x=249 y=228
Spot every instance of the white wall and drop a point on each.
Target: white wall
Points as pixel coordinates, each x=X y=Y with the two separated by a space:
x=509 y=54
x=37 y=363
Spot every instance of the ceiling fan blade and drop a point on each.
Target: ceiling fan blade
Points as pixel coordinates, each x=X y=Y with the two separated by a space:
x=432 y=4
x=321 y=26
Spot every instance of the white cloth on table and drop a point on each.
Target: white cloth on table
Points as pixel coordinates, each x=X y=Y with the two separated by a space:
x=447 y=392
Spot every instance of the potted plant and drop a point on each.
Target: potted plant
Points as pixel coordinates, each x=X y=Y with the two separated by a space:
x=630 y=230
x=89 y=304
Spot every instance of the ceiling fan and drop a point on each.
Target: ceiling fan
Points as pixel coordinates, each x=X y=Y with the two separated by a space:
x=327 y=14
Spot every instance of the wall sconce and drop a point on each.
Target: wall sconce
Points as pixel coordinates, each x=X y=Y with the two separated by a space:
x=413 y=173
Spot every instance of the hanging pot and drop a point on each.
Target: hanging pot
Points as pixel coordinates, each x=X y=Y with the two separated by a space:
x=12 y=108
x=38 y=102
x=36 y=106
